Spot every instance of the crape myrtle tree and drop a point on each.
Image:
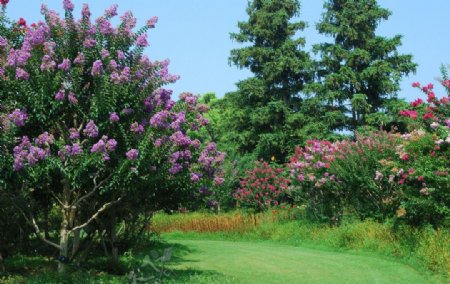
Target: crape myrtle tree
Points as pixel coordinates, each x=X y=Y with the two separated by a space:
x=89 y=122
x=263 y=116
x=359 y=71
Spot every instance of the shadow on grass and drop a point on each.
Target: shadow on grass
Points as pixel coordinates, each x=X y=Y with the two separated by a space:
x=142 y=264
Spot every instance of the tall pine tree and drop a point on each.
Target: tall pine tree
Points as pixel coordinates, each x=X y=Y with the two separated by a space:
x=263 y=114
x=360 y=70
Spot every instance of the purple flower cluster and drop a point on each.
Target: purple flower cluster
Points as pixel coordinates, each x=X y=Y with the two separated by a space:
x=21 y=74
x=72 y=98
x=70 y=150
x=161 y=119
x=27 y=153
x=137 y=128
x=91 y=130
x=97 y=68
x=3 y=42
x=65 y=65
x=47 y=63
x=79 y=59
x=114 y=117
x=111 y=11
x=132 y=154
x=68 y=5
x=180 y=139
x=60 y=95
x=117 y=78
x=74 y=134
x=105 y=26
x=44 y=139
x=141 y=41
x=18 y=117
x=210 y=159
x=152 y=22
x=178 y=120
x=104 y=146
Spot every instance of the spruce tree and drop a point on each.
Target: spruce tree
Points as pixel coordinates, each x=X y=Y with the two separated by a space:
x=360 y=70
x=263 y=112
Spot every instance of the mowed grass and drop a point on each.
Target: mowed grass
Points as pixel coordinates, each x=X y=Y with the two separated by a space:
x=265 y=262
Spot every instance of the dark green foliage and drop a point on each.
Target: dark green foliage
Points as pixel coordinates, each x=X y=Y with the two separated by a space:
x=262 y=116
x=359 y=70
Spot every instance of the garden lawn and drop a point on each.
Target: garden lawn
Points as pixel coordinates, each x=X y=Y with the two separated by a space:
x=265 y=262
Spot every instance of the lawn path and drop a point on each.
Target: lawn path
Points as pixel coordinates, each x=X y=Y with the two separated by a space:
x=263 y=262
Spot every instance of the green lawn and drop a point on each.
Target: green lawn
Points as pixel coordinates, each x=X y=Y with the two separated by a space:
x=265 y=262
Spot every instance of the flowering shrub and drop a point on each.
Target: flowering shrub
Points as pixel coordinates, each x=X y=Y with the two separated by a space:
x=365 y=188
x=422 y=168
x=90 y=115
x=312 y=182
x=262 y=188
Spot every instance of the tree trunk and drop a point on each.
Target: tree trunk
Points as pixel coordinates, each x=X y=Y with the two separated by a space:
x=2 y=265
x=113 y=236
x=64 y=243
x=64 y=230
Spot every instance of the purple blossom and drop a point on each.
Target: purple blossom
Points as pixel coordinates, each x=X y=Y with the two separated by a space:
x=11 y=59
x=18 y=117
x=98 y=147
x=113 y=65
x=120 y=55
x=22 y=74
x=111 y=145
x=79 y=59
x=111 y=11
x=178 y=120
x=137 y=128
x=115 y=77
x=176 y=168
x=85 y=12
x=180 y=139
x=38 y=35
x=75 y=149
x=151 y=23
x=49 y=48
x=89 y=43
x=44 y=139
x=59 y=96
x=218 y=181
x=35 y=154
x=97 y=68
x=132 y=154
x=91 y=130
x=72 y=99
x=47 y=63
x=105 y=26
x=22 y=57
x=3 y=42
x=142 y=40
x=65 y=65
x=195 y=177
x=160 y=119
x=114 y=117
x=127 y=111
x=125 y=75
x=73 y=133
x=68 y=5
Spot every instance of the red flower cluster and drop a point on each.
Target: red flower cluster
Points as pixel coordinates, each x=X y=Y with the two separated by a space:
x=4 y=2
x=262 y=187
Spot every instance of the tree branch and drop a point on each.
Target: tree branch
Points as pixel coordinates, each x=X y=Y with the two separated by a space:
x=93 y=217
x=38 y=233
x=89 y=194
x=35 y=225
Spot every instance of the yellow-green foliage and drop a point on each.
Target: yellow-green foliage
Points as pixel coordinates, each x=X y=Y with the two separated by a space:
x=426 y=247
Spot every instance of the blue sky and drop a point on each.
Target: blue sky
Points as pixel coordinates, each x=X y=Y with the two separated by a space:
x=194 y=35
